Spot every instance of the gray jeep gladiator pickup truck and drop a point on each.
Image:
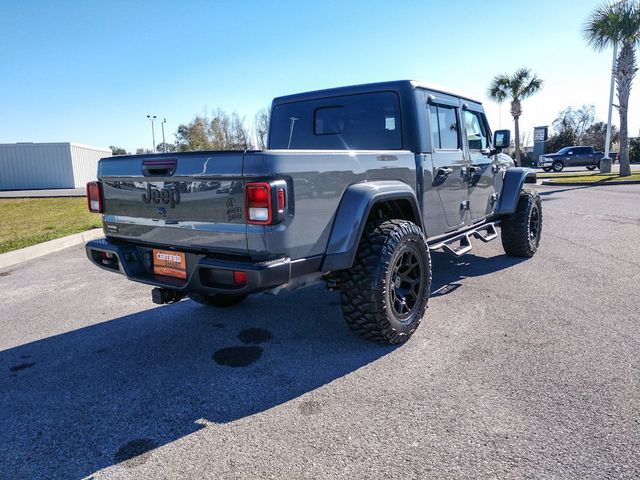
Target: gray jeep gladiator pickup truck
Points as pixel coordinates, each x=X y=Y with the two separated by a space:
x=357 y=186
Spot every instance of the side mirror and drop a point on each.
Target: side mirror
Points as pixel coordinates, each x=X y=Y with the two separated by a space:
x=501 y=139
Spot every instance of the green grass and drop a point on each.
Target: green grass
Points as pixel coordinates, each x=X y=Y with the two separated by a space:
x=27 y=221
x=570 y=174
x=594 y=178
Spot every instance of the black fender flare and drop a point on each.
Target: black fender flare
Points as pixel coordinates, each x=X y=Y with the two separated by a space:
x=514 y=179
x=351 y=218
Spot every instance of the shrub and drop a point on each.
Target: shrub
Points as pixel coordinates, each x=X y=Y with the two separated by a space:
x=634 y=149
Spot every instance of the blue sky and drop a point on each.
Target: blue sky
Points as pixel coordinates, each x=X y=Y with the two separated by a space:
x=90 y=71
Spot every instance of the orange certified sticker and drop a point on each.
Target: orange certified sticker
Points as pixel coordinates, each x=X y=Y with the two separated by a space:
x=172 y=264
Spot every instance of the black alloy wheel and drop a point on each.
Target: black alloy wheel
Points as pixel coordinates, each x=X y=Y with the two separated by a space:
x=406 y=285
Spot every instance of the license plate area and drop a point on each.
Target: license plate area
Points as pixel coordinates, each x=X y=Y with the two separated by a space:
x=169 y=263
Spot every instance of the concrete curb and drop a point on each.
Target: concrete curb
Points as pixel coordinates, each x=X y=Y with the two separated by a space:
x=17 y=256
x=589 y=184
x=44 y=193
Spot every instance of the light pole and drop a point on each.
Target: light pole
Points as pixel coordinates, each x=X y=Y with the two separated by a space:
x=153 y=132
x=164 y=144
x=606 y=165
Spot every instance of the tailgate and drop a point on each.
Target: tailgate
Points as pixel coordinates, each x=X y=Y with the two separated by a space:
x=189 y=200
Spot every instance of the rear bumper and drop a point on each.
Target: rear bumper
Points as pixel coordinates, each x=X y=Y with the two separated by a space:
x=204 y=275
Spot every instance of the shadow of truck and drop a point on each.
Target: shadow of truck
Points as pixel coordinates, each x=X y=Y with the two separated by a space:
x=83 y=400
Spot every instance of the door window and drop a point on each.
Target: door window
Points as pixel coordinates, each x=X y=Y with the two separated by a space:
x=477 y=137
x=444 y=128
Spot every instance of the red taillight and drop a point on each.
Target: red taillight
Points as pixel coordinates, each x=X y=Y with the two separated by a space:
x=94 y=197
x=240 y=278
x=258 y=203
x=258 y=194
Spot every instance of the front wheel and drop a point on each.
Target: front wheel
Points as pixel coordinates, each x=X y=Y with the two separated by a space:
x=217 y=300
x=557 y=166
x=385 y=293
x=522 y=230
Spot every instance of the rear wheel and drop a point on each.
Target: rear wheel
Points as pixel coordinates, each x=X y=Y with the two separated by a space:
x=385 y=293
x=521 y=231
x=557 y=166
x=217 y=300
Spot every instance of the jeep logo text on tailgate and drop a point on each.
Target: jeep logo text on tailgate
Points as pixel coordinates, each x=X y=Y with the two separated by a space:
x=169 y=196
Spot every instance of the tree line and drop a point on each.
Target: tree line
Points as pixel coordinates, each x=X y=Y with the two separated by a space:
x=217 y=130
x=579 y=126
x=223 y=131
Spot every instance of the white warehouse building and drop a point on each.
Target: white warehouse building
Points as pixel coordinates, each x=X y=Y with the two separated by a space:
x=31 y=166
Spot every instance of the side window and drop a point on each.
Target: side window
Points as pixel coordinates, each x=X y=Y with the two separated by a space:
x=476 y=131
x=444 y=127
x=570 y=152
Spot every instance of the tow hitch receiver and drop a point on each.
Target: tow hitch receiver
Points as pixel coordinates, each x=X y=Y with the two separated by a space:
x=165 y=295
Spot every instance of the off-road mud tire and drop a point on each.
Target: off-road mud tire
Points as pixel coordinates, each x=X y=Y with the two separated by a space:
x=369 y=290
x=521 y=231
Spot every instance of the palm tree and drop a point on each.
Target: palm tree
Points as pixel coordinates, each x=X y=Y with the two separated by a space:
x=618 y=24
x=516 y=87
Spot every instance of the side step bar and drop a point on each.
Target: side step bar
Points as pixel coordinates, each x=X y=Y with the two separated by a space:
x=485 y=232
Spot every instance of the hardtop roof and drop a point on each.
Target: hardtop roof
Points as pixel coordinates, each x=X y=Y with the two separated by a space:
x=369 y=87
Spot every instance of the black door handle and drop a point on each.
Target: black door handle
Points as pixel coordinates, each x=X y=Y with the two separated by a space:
x=441 y=175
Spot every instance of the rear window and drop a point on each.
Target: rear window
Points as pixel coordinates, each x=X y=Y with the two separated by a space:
x=369 y=121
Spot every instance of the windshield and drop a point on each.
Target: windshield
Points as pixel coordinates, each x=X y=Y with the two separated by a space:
x=564 y=150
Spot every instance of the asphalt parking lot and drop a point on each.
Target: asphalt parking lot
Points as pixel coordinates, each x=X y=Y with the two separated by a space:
x=521 y=369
